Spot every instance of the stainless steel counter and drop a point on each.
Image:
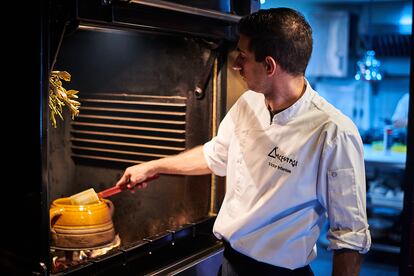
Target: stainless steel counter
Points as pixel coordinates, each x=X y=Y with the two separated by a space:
x=380 y=157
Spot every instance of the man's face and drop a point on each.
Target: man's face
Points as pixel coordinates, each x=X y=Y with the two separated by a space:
x=253 y=72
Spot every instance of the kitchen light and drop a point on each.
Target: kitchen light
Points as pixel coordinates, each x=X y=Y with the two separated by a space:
x=406 y=20
x=368 y=67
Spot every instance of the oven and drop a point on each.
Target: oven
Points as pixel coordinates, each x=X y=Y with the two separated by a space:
x=152 y=82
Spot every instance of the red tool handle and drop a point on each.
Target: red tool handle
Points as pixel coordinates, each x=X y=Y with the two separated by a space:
x=117 y=189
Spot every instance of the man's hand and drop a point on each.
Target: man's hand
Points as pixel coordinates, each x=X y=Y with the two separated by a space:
x=136 y=176
x=190 y=162
x=346 y=262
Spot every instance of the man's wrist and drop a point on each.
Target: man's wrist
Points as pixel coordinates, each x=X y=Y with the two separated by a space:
x=344 y=250
x=346 y=262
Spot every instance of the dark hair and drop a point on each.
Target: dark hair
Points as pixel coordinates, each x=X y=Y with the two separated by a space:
x=281 y=33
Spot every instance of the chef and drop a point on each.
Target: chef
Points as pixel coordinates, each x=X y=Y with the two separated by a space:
x=400 y=115
x=291 y=160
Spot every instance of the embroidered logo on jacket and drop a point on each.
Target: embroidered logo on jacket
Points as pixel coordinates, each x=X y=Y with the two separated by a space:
x=282 y=158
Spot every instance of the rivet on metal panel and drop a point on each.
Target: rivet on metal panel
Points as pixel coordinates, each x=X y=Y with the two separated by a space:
x=43 y=269
x=172 y=232
x=193 y=227
x=198 y=92
x=106 y=2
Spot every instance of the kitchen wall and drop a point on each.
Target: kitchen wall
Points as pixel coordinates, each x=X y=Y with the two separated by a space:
x=340 y=37
x=340 y=31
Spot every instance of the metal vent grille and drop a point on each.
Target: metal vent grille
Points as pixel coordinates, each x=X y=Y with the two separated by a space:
x=392 y=45
x=389 y=44
x=128 y=128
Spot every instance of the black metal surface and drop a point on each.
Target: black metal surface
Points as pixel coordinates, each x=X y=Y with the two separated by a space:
x=184 y=8
x=130 y=63
x=206 y=261
x=205 y=79
x=407 y=240
x=146 y=15
x=182 y=232
x=23 y=149
x=224 y=6
x=152 y=253
x=243 y=7
x=128 y=128
x=159 y=241
x=134 y=64
x=390 y=44
x=30 y=173
x=113 y=263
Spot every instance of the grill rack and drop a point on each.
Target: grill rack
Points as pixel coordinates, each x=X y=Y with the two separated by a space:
x=128 y=128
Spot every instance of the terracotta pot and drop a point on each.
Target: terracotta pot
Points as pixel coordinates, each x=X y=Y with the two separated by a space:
x=81 y=226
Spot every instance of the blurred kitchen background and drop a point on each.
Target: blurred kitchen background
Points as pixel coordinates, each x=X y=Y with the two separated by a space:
x=361 y=64
x=348 y=35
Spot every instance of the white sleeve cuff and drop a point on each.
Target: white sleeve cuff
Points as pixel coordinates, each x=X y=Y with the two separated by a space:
x=359 y=241
x=213 y=162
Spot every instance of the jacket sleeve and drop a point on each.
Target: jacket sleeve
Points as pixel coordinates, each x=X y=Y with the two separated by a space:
x=216 y=150
x=342 y=180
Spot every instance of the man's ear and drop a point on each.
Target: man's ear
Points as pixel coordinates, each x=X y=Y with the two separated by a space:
x=271 y=65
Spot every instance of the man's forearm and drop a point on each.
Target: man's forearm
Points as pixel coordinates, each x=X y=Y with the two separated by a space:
x=346 y=262
x=191 y=162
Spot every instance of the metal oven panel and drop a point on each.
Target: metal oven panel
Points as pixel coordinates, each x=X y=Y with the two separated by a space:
x=137 y=104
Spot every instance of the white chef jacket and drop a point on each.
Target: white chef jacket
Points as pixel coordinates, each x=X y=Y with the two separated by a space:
x=401 y=111
x=285 y=175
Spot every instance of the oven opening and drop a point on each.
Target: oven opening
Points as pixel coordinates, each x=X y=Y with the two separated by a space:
x=142 y=96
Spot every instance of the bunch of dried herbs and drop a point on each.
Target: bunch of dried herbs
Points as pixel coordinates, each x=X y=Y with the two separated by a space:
x=60 y=97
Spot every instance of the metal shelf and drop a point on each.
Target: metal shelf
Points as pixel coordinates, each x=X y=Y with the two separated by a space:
x=384 y=159
x=385 y=248
x=377 y=201
x=188 y=10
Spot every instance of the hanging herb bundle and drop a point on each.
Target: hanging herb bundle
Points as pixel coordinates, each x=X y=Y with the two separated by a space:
x=60 y=97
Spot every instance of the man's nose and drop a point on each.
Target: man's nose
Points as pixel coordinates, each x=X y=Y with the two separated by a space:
x=236 y=64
